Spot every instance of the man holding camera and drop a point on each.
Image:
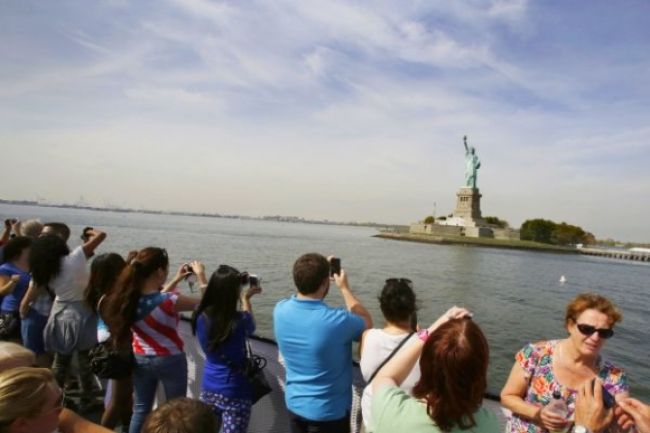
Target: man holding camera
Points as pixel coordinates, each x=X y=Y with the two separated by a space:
x=315 y=341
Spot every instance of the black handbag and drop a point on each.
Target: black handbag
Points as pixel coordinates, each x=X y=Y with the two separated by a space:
x=255 y=374
x=253 y=371
x=9 y=326
x=107 y=362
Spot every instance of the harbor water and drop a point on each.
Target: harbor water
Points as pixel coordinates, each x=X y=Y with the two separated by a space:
x=516 y=296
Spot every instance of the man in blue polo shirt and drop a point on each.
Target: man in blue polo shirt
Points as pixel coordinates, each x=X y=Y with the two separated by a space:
x=315 y=341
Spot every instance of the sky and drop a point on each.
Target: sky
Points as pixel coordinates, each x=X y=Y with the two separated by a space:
x=339 y=110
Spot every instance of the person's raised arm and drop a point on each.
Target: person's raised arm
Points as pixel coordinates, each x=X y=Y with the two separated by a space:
x=512 y=397
x=351 y=302
x=17 y=227
x=199 y=269
x=28 y=297
x=94 y=238
x=246 y=298
x=8 y=284
x=186 y=303
x=6 y=233
x=399 y=367
x=180 y=275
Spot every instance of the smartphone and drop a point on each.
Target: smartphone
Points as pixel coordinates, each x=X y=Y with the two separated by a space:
x=608 y=399
x=335 y=266
x=190 y=272
x=254 y=280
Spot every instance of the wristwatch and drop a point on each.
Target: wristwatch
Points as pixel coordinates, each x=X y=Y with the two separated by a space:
x=581 y=429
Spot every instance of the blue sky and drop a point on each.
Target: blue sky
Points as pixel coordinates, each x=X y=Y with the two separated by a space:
x=331 y=109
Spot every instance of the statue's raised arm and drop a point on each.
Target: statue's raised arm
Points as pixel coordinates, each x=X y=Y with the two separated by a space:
x=465 y=143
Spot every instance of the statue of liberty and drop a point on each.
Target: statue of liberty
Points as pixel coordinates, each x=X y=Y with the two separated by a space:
x=472 y=164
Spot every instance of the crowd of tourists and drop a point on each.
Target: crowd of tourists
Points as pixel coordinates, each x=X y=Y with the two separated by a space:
x=65 y=312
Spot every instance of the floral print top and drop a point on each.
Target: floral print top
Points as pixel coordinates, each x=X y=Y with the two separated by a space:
x=537 y=360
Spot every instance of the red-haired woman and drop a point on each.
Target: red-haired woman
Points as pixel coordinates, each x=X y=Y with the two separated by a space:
x=454 y=357
x=544 y=368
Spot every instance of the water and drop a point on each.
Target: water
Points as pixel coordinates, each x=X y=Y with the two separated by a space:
x=515 y=295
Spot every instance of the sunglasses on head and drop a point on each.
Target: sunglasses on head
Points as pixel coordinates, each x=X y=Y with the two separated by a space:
x=589 y=330
x=406 y=281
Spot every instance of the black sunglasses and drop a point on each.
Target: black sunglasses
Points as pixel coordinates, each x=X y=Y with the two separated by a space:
x=406 y=281
x=589 y=330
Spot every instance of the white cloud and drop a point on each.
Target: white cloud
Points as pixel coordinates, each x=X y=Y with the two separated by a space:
x=273 y=105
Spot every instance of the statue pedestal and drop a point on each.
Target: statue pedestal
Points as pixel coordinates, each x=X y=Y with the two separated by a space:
x=468 y=207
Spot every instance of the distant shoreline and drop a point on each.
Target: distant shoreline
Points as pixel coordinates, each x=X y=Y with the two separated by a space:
x=276 y=218
x=477 y=242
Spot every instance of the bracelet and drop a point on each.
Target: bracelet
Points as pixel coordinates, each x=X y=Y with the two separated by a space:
x=423 y=334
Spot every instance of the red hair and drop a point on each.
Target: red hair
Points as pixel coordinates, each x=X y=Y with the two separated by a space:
x=592 y=301
x=453 y=378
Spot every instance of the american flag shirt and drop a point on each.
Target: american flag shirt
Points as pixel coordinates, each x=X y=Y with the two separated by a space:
x=155 y=329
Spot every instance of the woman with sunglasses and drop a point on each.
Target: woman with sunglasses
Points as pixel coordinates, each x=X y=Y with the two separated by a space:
x=222 y=330
x=399 y=307
x=141 y=310
x=544 y=368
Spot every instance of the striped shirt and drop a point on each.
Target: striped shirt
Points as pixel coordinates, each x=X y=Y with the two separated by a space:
x=155 y=329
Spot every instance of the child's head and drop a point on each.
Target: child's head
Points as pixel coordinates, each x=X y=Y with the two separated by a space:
x=182 y=415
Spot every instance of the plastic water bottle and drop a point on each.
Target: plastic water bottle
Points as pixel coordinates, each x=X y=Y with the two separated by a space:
x=558 y=406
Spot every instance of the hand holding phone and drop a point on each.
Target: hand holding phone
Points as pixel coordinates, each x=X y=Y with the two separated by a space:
x=335 y=266
x=608 y=399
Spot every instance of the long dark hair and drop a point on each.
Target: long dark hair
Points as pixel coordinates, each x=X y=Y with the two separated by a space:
x=104 y=271
x=219 y=304
x=45 y=258
x=453 y=374
x=119 y=308
x=15 y=247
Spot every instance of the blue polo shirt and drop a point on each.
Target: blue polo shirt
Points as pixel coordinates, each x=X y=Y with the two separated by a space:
x=316 y=343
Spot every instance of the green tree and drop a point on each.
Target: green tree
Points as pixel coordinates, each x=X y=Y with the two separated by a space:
x=567 y=234
x=429 y=220
x=549 y=232
x=538 y=230
x=496 y=221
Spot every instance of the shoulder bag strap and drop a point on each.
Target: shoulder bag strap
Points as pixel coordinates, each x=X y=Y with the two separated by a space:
x=99 y=304
x=388 y=358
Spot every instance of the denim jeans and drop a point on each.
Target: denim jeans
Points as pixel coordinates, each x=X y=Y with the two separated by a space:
x=32 y=331
x=171 y=371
